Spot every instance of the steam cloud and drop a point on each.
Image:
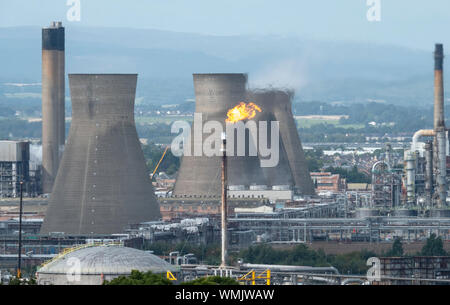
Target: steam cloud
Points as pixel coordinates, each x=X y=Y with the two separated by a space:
x=286 y=74
x=36 y=154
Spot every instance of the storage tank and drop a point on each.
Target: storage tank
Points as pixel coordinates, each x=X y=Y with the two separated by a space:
x=98 y=264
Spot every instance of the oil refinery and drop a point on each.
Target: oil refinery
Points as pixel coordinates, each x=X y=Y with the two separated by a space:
x=100 y=198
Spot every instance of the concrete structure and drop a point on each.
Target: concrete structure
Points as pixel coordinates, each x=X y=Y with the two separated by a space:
x=186 y=207
x=99 y=264
x=53 y=102
x=215 y=95
x=103 y=184
x=14 y=166
x=439 y=126
x=271 y=194
x=280 y=174
x=292 y=143
x=201 y=175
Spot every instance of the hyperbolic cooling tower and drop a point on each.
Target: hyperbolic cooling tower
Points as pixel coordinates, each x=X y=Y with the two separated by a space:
x=102 y=184
x=215 y=95
x=53 y=106
x=201 y=175
x=280 y=174
x=292 y=143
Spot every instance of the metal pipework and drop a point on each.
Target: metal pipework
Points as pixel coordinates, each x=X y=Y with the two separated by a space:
x=286 y=268
x=429 y=171
x=224 y=201
x=442 y=168
x=419 y=134
x=53 y=106
x=410 y=158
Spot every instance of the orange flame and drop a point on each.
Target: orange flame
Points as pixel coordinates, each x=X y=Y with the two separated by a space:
x=241 y=112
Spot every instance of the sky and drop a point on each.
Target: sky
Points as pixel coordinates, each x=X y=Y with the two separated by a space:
x=412 y=23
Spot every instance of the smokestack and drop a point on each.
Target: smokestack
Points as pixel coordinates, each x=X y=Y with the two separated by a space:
x=53 y=106
x=439 y=124
x=438 y=87
x=103 y=184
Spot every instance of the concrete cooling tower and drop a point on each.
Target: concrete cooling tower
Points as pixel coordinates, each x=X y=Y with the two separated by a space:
x=53 y=104
x=292 y=168
x=102 y=183
x=292 y=143
x=201 y=175
x=280 y=174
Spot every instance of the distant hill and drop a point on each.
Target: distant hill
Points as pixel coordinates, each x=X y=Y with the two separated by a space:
x=318 y=70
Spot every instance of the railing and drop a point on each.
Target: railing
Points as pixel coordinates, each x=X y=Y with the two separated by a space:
x=78 y=247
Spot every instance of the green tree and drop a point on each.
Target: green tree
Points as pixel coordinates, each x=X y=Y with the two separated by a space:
x=212 y=280
x=433 y=247
x=153 y=154
x=397 y=248
x=139 y=278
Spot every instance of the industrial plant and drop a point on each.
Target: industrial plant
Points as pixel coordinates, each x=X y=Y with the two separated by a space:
x=92 y=198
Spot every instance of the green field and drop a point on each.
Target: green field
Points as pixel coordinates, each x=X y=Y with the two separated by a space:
x=307 y=123
x=303 y=122
x=161 y=119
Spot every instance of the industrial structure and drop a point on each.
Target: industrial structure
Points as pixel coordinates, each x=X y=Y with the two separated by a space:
x=14 y=166
x=292 y=169
x=99 y=263
x=426 y=164
x=199 y=175
x=103 y=184
x=53 y=102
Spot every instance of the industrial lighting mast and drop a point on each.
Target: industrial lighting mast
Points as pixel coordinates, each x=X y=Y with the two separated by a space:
x=19 y=262
x=224 y=201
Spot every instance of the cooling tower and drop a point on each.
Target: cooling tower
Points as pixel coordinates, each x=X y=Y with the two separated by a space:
x=292 y=144
x=280 y=174
x=102 y=184
x=53 y=106
x=201 y=175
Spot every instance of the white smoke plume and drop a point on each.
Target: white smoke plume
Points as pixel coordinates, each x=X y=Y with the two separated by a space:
x=36 y=154
x=285 y=74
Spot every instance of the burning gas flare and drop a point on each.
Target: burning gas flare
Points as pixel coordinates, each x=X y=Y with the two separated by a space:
x=242 y=111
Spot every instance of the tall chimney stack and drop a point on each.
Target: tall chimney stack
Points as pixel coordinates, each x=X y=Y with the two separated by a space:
x=53 y=102
x=438 y=87
x=439 y=125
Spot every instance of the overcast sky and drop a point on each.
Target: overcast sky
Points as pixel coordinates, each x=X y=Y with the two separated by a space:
x=411 y=23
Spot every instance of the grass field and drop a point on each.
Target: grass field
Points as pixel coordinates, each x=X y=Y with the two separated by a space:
x=308 y=122
x=160 y=119
x=302 y=122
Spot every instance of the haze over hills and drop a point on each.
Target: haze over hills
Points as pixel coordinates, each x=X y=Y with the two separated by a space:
x=318 y=70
